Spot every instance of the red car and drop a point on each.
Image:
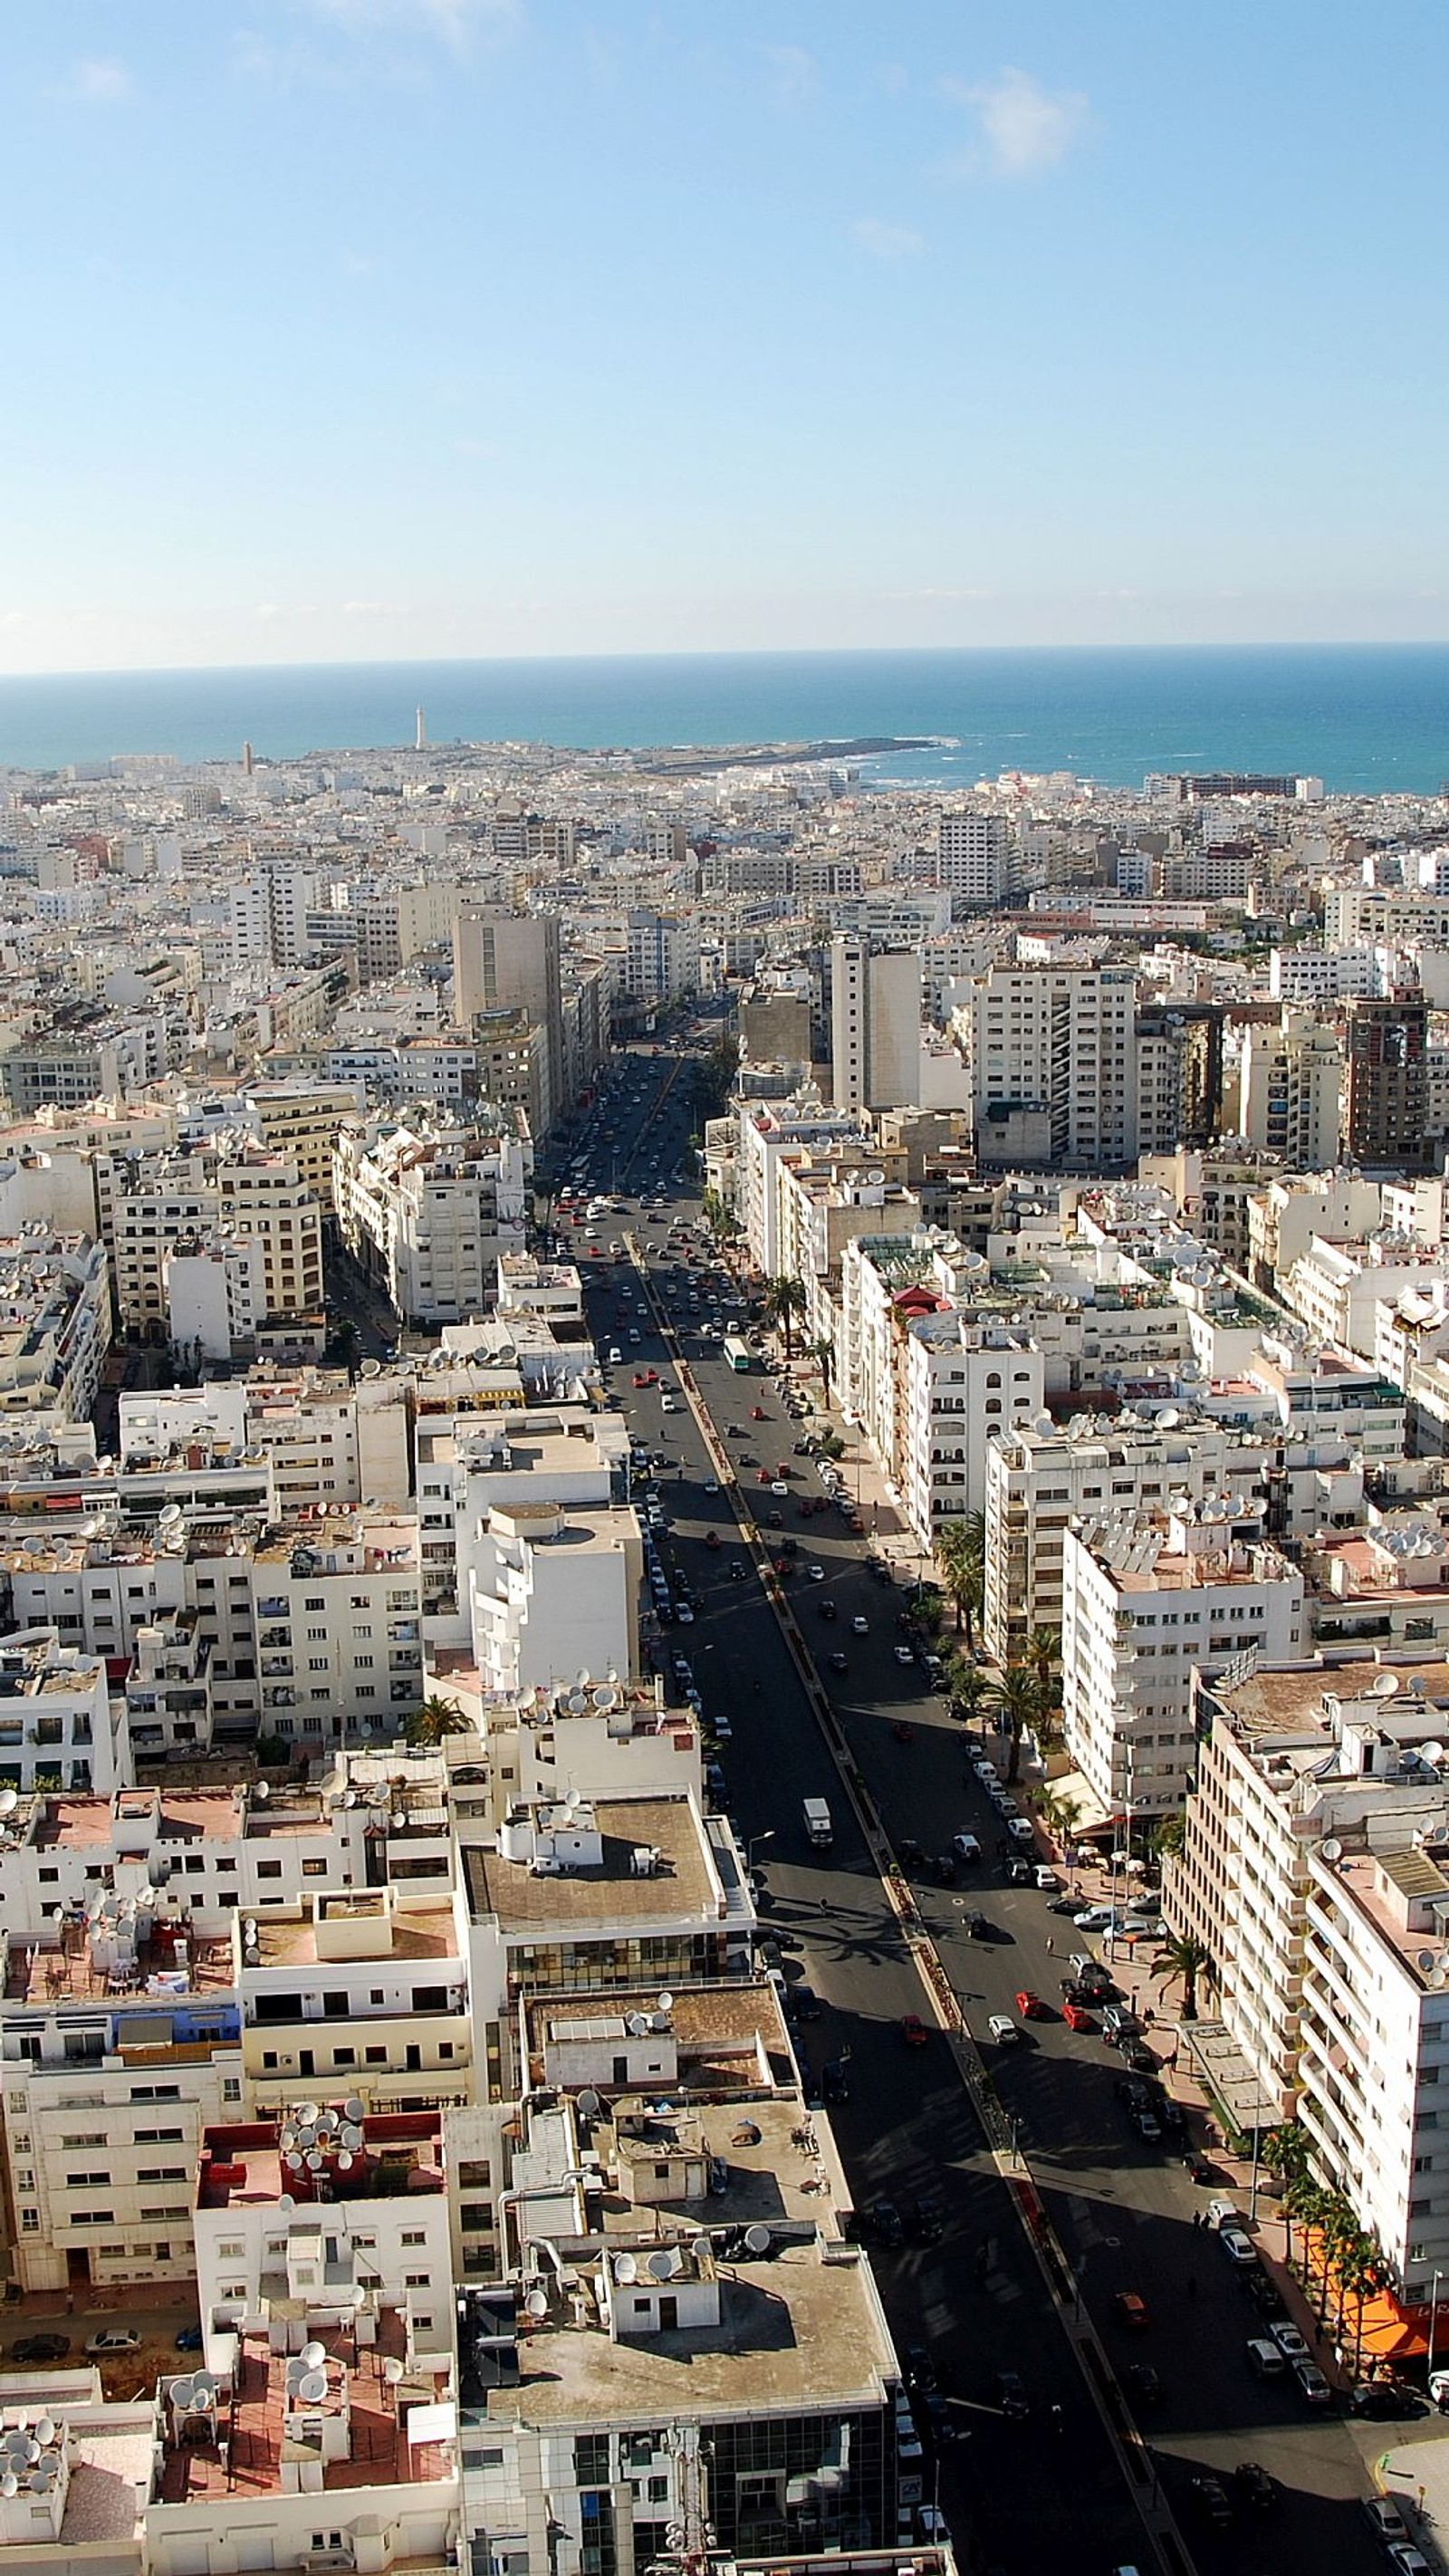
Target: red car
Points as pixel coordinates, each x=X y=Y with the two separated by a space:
x=1030 y=2006
x=1077 y=2017
x=639 y=1378
x=757 y=1413
x=1131 y=2310
x=914 y=2031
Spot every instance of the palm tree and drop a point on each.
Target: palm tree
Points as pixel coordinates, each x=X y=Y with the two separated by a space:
x=823 y=1354
x=435 y=1718
x=1014 y=1697
x=1364 y=2273
x=1285 y=2151
x=1167 y=1836
x=1060 y=1812
x=784 y=1300
x=960 y=1552
x=1186 y=1958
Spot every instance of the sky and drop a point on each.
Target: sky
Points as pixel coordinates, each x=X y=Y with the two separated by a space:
x=373 y=329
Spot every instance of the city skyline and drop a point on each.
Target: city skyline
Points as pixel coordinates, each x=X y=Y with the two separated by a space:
x=367 y=329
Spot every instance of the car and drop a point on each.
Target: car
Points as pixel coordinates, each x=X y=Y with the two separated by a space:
x=1140 y=2058
x=615 y=1356
x=1384 y=2519
x=886 y=2222
x=1093 y=1918
x=1077 y=2017
x=934 y=2529
x=1021 y=1829
x=1288 y=2339
x=1382 y=2400
x=776 y=1487
x=904 y=1655
x=966 y=1846
x=32 y=2349
x=1144 y=2383
x=1211 y=2499
x=834 y=2081
x=1264 y=2359
x=1222 y=2213
x=1198 y=2169
x=190 y=2339
x=1030 y=2006
x=1312 y=2386
x=828 y=1610
x=1045 y=1878
x=1063 y=1905
x=921 y=2371
x=910 y=1852
x=1149 y=2127
x=815 y=1573
x=860 y=1627
x=111 y=2342
x=803 y=2002
x=976 y=1926
x=1406 y=2560
x=1254 y=2487
x=928 y=2218
x=1131 y=2309
x=936 y=2419
x=1011 y=2395
x=838 y=1663
x=985 y=1770
x=1238 y=2248
x=913 y=2030
x=1002 y=2029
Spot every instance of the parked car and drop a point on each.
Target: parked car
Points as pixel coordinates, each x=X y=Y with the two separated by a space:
x=1312 y=2386
x=1384 y=2519
x=32 y=2349
x=1254 y=2487
x=1238 y=2248
x=1002 y=2029
x=112 y=2341
x=1131 y=2309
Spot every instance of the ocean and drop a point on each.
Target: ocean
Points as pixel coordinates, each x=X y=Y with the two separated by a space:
x=1364 y=718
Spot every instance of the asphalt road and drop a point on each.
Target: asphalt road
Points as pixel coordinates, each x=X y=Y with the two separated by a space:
x=1123 y=2212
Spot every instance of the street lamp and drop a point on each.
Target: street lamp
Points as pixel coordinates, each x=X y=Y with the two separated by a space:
x=753 y=1845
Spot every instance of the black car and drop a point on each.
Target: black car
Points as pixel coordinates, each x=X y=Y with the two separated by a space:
x=1018 y=1873
x=1211 y=2499
x=928 y=2219
x=838 y=1663
x=1381 y=2400
x=828 y=1610
x=946 y=1868
x=911 y=1854
x=803 y=2003
x=1263 y=2290
x=40 y=2347
x=935 y=2419
x=921 y=2372
x=1011 y=2395
x=887 y=2225
x=834 y=2081
x=1254 y=2486
x=977 y=1927
x=1144 y=2383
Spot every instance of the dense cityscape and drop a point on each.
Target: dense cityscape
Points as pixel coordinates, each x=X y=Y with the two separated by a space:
x=725 y=1560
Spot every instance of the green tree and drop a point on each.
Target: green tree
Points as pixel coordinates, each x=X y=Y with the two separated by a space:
x=436 y=1718
x=1061 y=1812
x=715 y=1214
x=969 y=1687
x=1015 y=1700
x=1166 y=1837
x=1186 y=1958
x=960 y=1552
x=784 y=1300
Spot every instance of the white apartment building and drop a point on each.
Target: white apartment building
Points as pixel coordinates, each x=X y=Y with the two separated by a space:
x=763 y=1131
x=215 y=1293
x=106 y=2096
x=1308 y=973
x=1039 y=1482
x=1143 y=1608
x=875 y=1024
x=974 y=856
x=59 y=1726
x=553 y=1591
x=429 y=1210
x=55 y=1324
x=661 y=957
x=1060 y=1041
x=358 y=1989
x=1291 y=1081
x=965 y=1385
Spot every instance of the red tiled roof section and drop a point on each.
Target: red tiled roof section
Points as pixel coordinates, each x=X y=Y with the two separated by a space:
x=254 y=2424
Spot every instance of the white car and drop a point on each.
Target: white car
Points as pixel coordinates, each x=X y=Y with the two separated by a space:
x=860 y=1627
x=1289 y=2341
x=1046 y=1878
x=615 y=1355
x=904 y=1655
x=965 y=1846
x=1021 y=1829
x=985 y=1771
x=815 y=1573
x=1238 y=2248
x=115 y=2339
x=1002 y=2029
x=1223 y=2213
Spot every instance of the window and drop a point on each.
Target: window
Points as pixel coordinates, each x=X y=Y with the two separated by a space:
x=417 y=2281
x=414 y=2236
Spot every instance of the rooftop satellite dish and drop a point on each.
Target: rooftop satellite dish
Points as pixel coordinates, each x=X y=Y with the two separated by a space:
x=205 y=2387
x=393 y=2370
x=9 y=2484
x=294 y=2160
x=589 y=2103
x=9 y=1801
x=350 y=2133
x=262 y=1792
x=537 y=2303
x=701 y=2249
x=345 y=2161
x=314 y=2160
x=1332 y=1850
x=660 y=2266
x=757 y=2240
x=625 y=2268
x=201 y=2402
x=352 y=2108
x=313 y=2388
x=1426 y=1961
x=285 y=2205
x=636 y=2024
x=44 y=2428
x=307 y=2115
x=666 y=2001
x=182 y=2391
x=313 y=2355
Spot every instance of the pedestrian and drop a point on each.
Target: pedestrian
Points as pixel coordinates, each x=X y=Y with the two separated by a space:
x=1051 y=1947
x=1197 y=2218
x=824 y=1904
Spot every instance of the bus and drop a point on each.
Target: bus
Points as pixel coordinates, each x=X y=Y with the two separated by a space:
x=738 y=1353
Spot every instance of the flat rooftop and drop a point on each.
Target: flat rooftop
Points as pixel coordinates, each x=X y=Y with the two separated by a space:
x=797 y=2333
x=408 y=1932
x=683 y=1884
x=243 y=2163
x=765 y=2174
x=255 y=2420
x=1290 y=1701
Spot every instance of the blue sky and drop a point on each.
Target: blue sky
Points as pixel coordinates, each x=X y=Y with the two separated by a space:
x=358 y=329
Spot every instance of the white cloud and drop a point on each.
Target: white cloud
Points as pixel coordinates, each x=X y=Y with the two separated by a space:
x=887 y=241
x=1023 y=127
x=96 y=80
x=457 y=24
x=793 y=75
